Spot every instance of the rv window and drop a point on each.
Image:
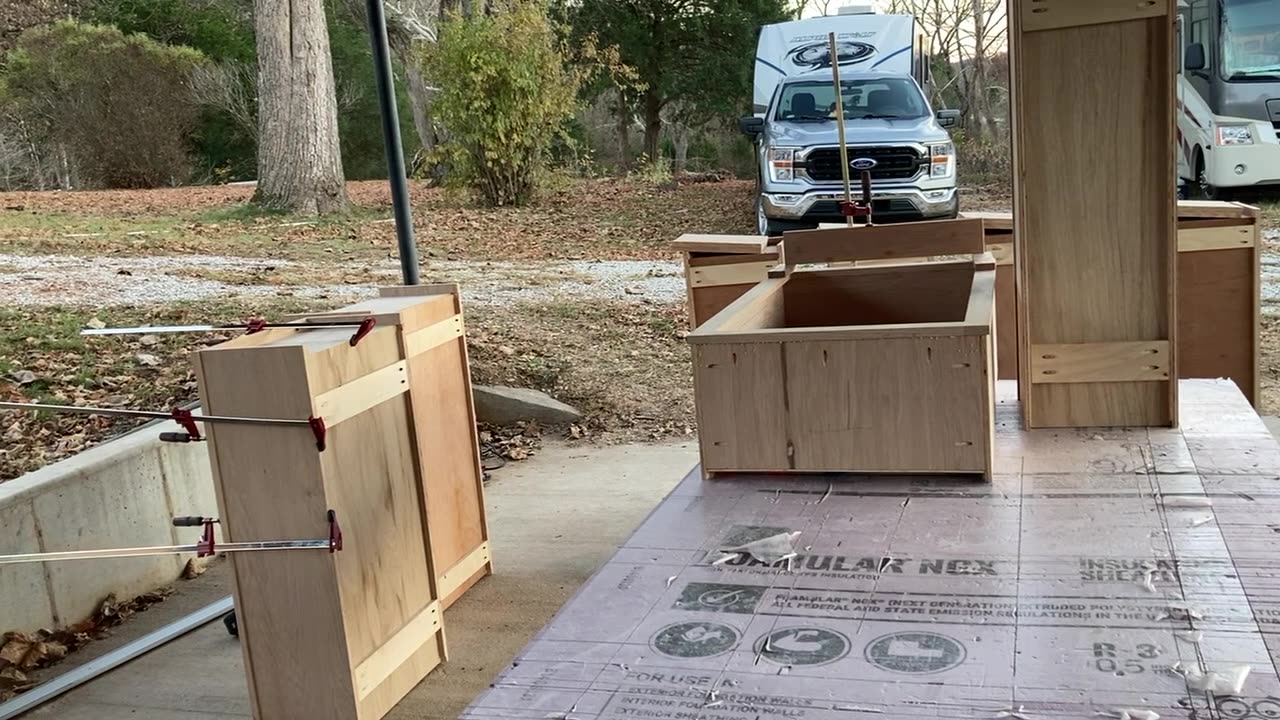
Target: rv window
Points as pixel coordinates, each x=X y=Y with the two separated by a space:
x=887 y=98
x=1250 y=39
x=1200 y=29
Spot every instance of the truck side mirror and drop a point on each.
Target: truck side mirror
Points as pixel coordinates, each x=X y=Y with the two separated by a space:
x=751 y=125
x=1195 y=59
x=948 y=118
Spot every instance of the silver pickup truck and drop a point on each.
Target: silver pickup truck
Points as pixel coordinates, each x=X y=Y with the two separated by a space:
x=890 y=131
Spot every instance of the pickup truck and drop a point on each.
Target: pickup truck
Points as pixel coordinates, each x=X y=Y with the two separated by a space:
x=890 y=128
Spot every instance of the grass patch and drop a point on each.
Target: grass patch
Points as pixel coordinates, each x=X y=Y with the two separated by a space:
x=70 y=369
x=624 y=365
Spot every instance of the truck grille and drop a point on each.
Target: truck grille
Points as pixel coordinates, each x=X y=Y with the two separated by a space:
x=1276 y=124
x=831 y=208
x=893 y=163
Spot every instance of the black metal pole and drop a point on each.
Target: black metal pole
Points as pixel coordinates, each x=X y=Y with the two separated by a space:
x=391 y=139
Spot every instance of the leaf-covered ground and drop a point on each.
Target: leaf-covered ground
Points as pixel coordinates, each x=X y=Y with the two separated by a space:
x=621 y=360
x=599 y=219
x=617 y=352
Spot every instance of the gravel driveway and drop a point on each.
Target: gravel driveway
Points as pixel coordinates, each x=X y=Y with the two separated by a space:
x=46 y=280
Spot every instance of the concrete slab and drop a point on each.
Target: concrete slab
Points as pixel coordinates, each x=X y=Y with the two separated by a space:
x=554 y=519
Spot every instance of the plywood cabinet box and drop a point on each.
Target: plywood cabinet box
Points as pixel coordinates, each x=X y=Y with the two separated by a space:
x=344 y=636
x=884 y=369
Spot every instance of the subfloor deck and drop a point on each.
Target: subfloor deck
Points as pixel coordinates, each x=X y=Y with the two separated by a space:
x=1094 y=570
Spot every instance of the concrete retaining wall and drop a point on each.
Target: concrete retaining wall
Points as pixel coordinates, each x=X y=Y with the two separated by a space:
x=120 y=494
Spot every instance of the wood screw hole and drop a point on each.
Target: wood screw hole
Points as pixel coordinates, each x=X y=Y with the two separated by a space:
x=1153 y=352
x=1153 y=367
x=1050 y=372
x=961 y=365
x=964 y=443
x=1049 y=357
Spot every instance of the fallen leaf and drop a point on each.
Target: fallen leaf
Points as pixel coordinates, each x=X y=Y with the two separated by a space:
x=148 y=359
x=148 y=340
x=95 y=324
x=195 y=568
x=23 y=377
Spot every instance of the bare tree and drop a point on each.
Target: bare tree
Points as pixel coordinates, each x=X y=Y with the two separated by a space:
x=984 y=35
x=410 y=25
x=229 y=87
x=299 y=158
x=967 y=33
x=822 y=7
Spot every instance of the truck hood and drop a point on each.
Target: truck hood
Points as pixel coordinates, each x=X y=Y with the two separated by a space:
x=856 y=132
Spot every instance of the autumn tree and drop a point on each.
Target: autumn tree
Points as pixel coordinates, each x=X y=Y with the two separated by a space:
x=299 y=156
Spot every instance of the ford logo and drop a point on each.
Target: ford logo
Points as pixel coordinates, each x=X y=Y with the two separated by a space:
x=863 y=164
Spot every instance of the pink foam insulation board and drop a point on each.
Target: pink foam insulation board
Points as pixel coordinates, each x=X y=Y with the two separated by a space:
x=1102 y=572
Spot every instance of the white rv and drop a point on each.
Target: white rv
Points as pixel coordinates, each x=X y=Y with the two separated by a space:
x=1229 y=95
x=890 y=128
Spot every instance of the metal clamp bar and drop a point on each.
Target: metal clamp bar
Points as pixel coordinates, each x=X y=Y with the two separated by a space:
x=157 y=414
x=333 y=543
x=362 y=327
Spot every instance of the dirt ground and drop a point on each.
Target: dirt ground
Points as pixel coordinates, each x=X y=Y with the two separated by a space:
x=577 y=295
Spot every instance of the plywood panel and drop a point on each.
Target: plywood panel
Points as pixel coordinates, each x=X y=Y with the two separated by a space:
x=444 y=423
x=741 y=406
x=705 y=302
x=695 y=243
x=905 y=240
x=1095 y=204
x=266 y=479
x=1217 y=321
x=917 y=293
x=889 y=405
x=1100 y=362
x=1006 y=323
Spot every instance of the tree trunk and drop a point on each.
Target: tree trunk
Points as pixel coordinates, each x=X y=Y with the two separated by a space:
x=624 y=133
x=652 y=124
x=299 y=157
x=978 y=106
x=419 y=102
x=680 y=140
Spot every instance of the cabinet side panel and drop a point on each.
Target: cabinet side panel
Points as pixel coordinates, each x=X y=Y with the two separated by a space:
x=1095 y=201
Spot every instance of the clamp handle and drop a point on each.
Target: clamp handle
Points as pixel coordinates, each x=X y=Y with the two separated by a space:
x=366 y=326
x=192 y=521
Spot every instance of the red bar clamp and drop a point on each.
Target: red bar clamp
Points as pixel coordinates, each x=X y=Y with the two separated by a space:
x=859 y=209
x=188 y=423
x=207 y=546
x=335 y=533
x=318 y=429
x=255 y=325
x=366 y=327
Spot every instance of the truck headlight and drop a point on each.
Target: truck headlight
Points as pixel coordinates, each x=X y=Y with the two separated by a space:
x=1235 y=135
x=942 y=160
x=782 y=164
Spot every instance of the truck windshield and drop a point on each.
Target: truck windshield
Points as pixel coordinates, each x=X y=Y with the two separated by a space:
x=881 y=98
x=1251 y=40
